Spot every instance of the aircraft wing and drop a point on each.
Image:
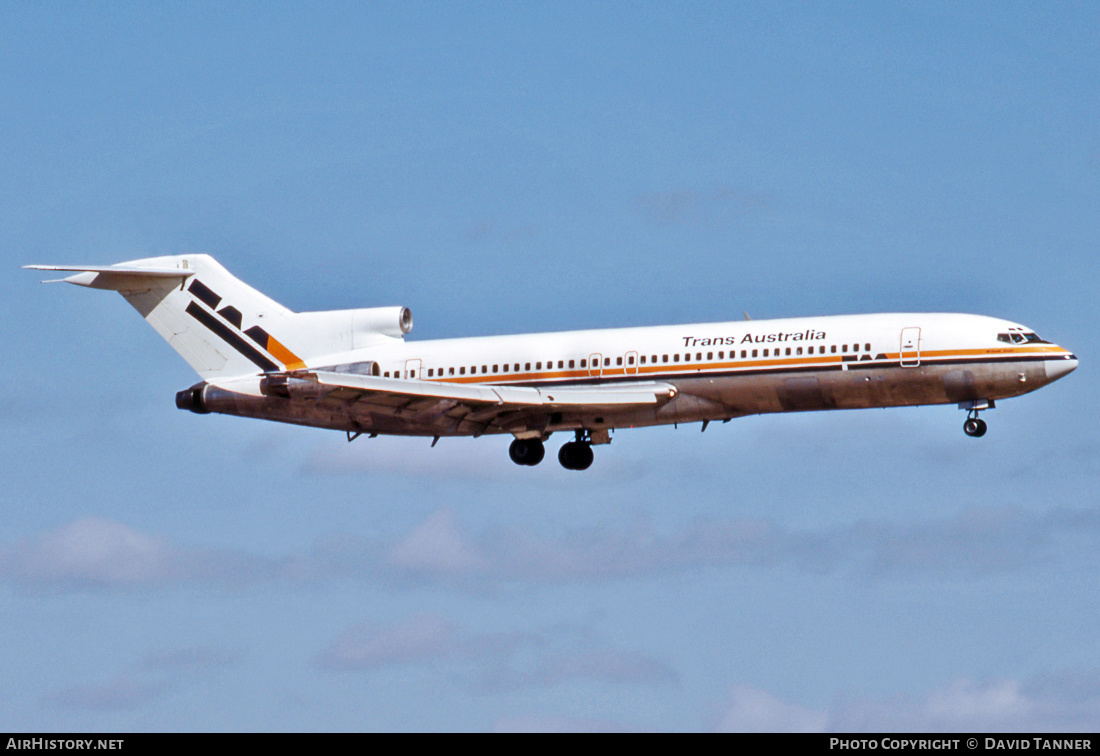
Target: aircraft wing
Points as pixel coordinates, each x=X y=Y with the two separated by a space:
x=509 y=408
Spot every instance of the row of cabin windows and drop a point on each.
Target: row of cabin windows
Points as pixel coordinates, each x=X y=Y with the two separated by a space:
x=745 y=353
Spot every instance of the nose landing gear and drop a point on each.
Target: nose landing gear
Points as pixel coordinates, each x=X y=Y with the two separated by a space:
x=974 y=426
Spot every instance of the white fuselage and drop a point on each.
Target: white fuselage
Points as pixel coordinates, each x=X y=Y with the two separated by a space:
x=719 y=370
x=352 y=370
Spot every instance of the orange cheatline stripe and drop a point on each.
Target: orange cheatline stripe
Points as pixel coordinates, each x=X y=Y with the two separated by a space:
x=689 y=368
x=284 y=355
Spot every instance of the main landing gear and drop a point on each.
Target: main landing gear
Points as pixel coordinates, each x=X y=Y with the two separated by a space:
x=575 y=455
x=527 y=451
x=974 y=426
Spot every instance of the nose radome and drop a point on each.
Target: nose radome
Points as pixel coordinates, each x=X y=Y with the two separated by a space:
x=1060 y=366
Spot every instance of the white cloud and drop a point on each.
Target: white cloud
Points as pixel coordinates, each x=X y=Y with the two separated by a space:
x=498 y=661
x=91 y=551
x=94 y=553
x=1061 y=703
x=437 y=546
x=416 y=639
x=544 y=723
x=123 y=693
x=751 y=710
x=195 y=659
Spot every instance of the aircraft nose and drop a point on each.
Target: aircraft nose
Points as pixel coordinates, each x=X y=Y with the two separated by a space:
x=1060 y=366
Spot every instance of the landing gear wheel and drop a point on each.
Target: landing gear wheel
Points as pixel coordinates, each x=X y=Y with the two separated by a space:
x=576 y=455
x=974 y=427
x=527 y=451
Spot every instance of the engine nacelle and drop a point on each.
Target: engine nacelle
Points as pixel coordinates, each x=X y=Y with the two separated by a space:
x=192 y=399
x=388 y=321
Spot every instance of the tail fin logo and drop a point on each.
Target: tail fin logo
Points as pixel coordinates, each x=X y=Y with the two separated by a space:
x=230 y=331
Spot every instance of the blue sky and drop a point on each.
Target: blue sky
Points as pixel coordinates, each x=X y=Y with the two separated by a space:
x=502 y=168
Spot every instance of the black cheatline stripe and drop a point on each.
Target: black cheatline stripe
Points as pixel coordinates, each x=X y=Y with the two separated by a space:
x=231 y=314
x=231 y=338
x=258 y=335
x=199 y=290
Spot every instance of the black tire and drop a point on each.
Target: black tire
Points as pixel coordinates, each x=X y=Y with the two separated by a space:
x=974 y=427
x=536 y=451
x=584 y=457
x=527 y=451
x=575 y=455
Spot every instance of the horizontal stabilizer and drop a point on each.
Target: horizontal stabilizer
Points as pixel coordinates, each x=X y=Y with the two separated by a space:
x=87 y=274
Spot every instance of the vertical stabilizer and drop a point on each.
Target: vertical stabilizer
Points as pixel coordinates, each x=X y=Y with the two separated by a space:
x=219 y=324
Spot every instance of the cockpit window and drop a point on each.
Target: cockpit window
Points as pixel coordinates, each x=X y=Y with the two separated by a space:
x=1020 y=336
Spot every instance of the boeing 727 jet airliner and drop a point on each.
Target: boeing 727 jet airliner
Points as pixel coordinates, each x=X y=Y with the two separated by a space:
x=352 y=370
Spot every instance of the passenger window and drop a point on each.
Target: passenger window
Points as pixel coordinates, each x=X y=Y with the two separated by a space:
x=687 y=357
x=654 y=359
x=833 y=349
x=538 y=366
x=583 y=365
x=642 y=359
x=505 y=368
x=754 y=352
x=788 y=351
x=618 y=360
x=867 y=347
x=843 y=348
x=461 y=371
x=698 y=356
x=821 y=349
x=765 y=352
x=721 y=355
x=450 y=371
x=571 y=363
x=430 y=372
x=710 y=355
x=607 y=362
x=387 y=375
x=798 y=351
x=527 y=366
x=664 y=358
x=496 y=368
x=629 y=360
x=675 y=358
x=743 y=354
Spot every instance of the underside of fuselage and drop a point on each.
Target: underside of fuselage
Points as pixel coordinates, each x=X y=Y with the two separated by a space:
x=697 y=399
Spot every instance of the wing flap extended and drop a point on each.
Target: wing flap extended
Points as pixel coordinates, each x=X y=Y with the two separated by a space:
x=403 y=393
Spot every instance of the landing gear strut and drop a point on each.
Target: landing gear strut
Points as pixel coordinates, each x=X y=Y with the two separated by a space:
x=974 y=426
x=576 y=455
x=527 y=451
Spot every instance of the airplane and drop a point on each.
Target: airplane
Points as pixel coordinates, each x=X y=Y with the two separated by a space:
x=352 y=370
